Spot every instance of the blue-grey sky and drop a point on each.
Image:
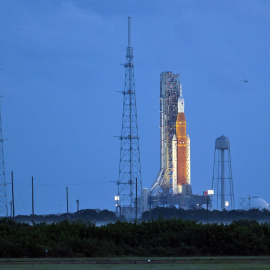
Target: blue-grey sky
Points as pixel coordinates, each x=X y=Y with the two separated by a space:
x=61 y=70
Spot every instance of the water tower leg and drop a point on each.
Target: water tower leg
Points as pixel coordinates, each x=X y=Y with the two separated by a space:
x=222 y=181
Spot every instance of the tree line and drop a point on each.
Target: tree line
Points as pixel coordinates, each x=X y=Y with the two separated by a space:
x=106 y=216
x=203 y=215
x=88 y=215
x=161 y=237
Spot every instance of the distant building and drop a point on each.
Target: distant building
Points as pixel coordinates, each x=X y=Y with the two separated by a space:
x=254 y=203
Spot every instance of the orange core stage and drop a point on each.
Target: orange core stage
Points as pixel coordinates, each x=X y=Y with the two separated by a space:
x=181 y=149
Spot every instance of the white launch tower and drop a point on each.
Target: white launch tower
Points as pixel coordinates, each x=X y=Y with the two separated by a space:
x=169 y=94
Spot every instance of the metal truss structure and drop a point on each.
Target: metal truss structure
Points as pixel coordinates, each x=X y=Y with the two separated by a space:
x=222 y=181
x=130 y=163
x=169 y=94
x=3 y=192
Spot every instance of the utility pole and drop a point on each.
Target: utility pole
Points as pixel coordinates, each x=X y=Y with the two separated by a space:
x=12 y=190
x=33 y=212
x=207 y=211
x=77 y=201
x=10 y=208
x=136 y=201
x=67 y=202
x=150 y=203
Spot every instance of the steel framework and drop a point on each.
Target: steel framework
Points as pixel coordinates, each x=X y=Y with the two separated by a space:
x=169 y=94
x=130 y=163
x=222 y=181
x=3 y=192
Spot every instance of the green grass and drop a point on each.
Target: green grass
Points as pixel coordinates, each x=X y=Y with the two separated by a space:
x=191 y=263
x=136 y=267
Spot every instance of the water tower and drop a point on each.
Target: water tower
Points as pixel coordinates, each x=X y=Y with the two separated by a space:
x=222 y=182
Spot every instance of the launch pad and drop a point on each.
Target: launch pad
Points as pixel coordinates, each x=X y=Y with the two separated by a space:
x=184 y=200
x=172 y=186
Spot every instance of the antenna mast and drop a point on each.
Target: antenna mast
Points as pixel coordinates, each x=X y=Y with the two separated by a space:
x=130 y=163
x=3 y=184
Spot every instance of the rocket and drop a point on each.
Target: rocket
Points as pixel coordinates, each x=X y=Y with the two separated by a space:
x=180 y=150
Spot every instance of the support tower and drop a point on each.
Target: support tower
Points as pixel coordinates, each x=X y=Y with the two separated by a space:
x=3 y=192
x=169 y=94
x=222 y=182
x=130 y=163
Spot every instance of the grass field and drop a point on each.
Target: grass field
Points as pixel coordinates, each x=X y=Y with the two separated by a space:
x=203 y=263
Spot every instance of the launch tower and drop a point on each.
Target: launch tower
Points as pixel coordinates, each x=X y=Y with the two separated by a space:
x=169 y=94
x=172 y=186
x=3 y=192
x=130 y=163
x=222 y=182
x=174 y=174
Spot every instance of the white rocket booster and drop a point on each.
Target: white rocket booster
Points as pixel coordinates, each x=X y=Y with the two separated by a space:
x=188 y=160
x=174 y=163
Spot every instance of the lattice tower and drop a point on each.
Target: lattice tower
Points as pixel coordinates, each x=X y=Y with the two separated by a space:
x=3 y=191
x=130 y=163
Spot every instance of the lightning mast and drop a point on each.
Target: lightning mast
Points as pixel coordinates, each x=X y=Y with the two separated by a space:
x=130 y=163
x=3 y=192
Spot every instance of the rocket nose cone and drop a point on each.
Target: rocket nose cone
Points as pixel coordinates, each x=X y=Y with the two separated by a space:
x=181 y=98
x=174 y=137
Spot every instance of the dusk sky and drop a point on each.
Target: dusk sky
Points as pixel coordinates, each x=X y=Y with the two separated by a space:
x=61 y=72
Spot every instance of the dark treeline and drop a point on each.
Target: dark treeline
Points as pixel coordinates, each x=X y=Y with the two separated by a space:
x=203 y=215
x=163 y=237
x=200 y=215
x=88 y=215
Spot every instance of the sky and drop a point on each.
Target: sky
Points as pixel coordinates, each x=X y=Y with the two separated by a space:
x=61 y=73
